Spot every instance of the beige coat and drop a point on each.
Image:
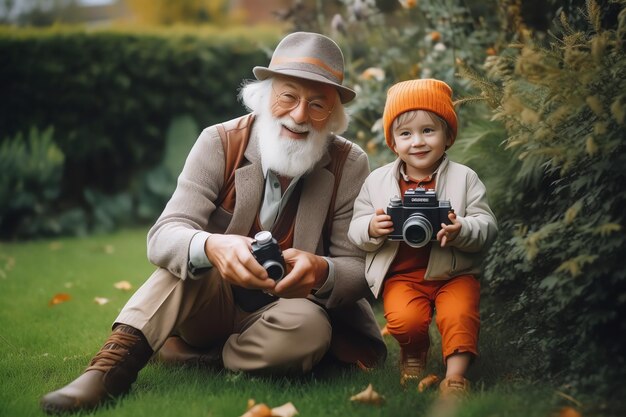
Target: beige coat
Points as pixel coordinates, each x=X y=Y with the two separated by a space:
x=191 y=210
x=467 y=195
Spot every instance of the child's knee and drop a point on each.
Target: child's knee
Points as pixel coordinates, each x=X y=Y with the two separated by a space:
x=403 y=323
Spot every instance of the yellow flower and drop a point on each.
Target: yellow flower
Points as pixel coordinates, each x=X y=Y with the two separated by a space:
x=372 y=147
x=591 y=146
x=617 y=110
x=595 y=105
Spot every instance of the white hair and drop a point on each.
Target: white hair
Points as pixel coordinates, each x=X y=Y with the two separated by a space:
x=254 y=94
x=284 y=155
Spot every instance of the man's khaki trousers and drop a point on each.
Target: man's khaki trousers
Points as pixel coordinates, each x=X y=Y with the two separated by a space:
x=286 y=336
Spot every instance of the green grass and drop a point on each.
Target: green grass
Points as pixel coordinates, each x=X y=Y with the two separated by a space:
x=43 y=347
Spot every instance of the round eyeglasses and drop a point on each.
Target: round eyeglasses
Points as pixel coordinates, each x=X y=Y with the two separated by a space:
x=318 y=109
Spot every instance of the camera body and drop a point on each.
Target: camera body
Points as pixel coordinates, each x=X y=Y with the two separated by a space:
x=417 y=217
x=267 y=253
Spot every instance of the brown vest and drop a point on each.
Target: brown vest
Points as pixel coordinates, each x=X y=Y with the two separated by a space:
x=234 y=136
x=282 y=230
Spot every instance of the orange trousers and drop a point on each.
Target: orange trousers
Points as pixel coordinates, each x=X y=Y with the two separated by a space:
x=409 y=303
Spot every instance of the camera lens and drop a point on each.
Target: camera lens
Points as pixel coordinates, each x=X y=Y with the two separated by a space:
x=274 y=269
x=417 y=230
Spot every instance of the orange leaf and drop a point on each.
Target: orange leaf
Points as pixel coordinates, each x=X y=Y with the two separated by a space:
x=259 y=410
x=569 y=412
x=427 y=382
x=123 y=285
x=59 y=298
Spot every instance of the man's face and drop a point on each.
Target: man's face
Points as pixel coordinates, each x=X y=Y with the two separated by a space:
x=296 y=125
x=305 y=102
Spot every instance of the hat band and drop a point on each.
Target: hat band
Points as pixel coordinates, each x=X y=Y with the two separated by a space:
x=307 y=60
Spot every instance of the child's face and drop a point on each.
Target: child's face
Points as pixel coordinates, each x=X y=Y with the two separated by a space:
x=420 y=142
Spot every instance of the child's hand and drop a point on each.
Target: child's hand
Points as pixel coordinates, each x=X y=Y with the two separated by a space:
x=449 y=232
x=381 y=224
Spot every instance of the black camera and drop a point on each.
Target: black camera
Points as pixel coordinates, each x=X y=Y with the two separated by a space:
x=267 y=253
x=418 y=216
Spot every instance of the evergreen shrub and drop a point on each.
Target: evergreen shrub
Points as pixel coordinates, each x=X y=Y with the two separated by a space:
x=557 y=268
x=111 y=95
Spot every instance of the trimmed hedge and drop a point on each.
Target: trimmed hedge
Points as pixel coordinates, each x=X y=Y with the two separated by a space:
x=110 y=95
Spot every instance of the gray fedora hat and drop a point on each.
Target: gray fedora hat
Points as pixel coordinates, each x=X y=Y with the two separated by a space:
x=309 y=56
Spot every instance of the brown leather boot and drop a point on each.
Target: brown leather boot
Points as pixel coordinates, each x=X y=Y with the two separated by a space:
x=110 y=373
x=412 y=365
x=175 y=351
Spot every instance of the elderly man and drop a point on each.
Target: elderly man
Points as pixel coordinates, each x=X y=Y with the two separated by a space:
x=210 y=302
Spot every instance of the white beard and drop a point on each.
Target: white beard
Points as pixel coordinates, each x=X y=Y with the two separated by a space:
x=286 y=156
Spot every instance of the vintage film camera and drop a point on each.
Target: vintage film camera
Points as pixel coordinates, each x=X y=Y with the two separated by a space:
x=267 y=253
x=418 y=216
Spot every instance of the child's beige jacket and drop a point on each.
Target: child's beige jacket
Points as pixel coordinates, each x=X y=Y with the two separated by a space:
x=467 y=195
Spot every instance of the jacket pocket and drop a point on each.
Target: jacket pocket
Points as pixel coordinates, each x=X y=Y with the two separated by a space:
x=452 y=260
x=371 y=280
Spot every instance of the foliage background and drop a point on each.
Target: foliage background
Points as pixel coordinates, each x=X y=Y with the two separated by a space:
x=541 y=90
x=121 y=106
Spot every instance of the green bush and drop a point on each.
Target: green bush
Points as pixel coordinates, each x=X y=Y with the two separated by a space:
x=557 y=268
x=111 y=95
x=30 y=177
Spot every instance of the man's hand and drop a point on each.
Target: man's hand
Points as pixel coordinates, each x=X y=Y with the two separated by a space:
x=449 y=232
x=305 y=270
x=381 y=224
x=232 y=256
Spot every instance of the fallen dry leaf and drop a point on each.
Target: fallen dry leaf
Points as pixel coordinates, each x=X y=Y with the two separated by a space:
x=258 y=410
x=368 y=396
x=123 y=285
x=568 y=412
x=427 y=382
x=55 y=245
x=285 y=410
x=109 y=249
x=59 y=298
x=262 y=410
x=101 y=300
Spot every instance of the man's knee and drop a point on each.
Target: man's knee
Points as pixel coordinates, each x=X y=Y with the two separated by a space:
x=291 y=336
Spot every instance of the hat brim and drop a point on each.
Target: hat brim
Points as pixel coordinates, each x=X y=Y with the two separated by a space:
x=345 y=94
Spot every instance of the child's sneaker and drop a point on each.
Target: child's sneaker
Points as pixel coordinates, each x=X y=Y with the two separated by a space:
x=412 y=366
x=454 y=388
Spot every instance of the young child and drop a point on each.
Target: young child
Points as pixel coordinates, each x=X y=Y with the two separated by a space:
x=420 y=125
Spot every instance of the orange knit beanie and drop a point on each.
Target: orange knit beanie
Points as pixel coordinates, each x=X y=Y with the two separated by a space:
x=428 y=94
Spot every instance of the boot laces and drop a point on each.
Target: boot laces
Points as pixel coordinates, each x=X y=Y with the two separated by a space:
x=413 y=363
x=113 y=351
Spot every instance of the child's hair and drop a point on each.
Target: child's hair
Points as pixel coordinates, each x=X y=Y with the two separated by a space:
x=431 y=95
x=434 y=117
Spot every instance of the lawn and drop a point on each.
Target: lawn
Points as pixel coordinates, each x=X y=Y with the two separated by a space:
x=43 y=346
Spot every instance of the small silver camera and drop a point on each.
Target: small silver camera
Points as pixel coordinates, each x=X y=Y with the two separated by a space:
x=267 y=253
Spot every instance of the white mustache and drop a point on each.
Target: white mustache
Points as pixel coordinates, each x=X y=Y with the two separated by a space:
x=287 y=122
